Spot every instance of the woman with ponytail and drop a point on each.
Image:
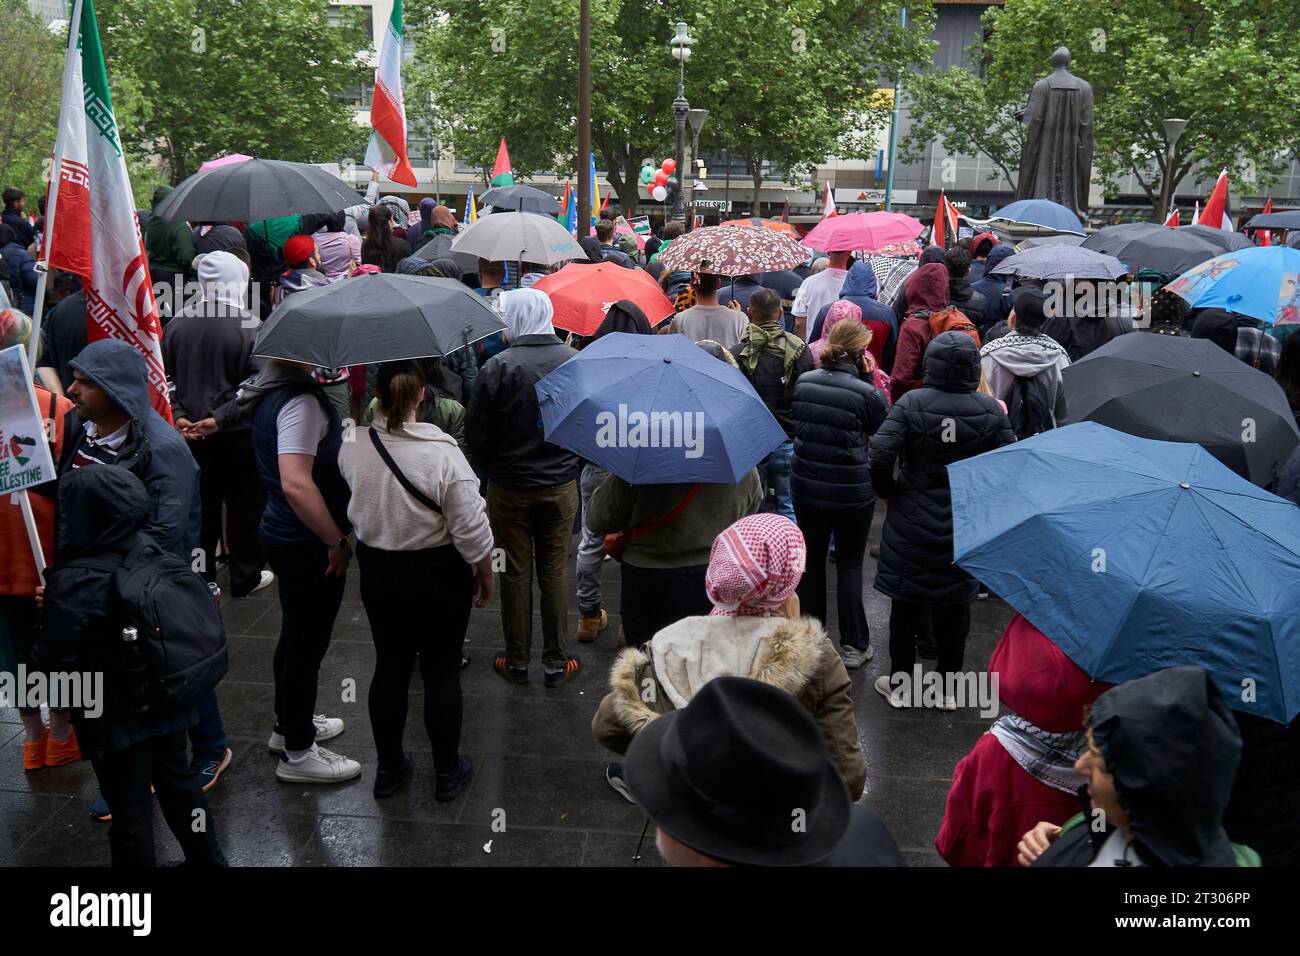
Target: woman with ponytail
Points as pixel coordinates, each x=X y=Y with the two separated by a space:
x=422 y=531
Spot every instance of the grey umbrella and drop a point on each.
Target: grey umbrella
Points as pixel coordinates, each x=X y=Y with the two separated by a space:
x=1151 y=245
x=1064 y=239
x=376 y=318
x=1285 y=219
x=518 y=237
x=1221 y=239
x=522 y=199
x=1060 y=262
x=257 y=189
x=439 y=247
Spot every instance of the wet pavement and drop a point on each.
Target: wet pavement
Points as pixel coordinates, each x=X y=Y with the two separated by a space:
x=539 y=773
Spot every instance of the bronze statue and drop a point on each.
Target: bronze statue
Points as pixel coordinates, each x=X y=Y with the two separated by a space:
x=1056 y=162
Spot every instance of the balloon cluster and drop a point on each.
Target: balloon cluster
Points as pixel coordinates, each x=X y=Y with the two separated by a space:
x=660 y=183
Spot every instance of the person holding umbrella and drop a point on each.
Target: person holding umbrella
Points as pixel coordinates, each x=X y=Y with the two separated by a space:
x=419 y=519
x=532 y=486
x=944 y=421
x=724 y=324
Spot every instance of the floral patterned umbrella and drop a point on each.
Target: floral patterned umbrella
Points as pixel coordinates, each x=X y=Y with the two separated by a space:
x=733 y=251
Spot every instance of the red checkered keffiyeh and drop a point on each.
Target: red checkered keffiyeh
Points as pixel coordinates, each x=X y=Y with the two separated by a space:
x=754 y=566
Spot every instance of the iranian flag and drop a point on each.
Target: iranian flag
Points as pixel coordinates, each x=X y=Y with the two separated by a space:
x=501 y=172
x=387 y=149
x=92 y=229
x=828 y=203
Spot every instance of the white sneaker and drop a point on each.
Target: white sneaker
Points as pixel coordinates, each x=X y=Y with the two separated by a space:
x=948 y=703
x=317 y=765
x=265 y=581
x=855 y=658
x=327 y=728
x=899 y=698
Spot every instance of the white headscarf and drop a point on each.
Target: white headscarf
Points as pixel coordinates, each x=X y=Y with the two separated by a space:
x=527 y=312
x=224 y=279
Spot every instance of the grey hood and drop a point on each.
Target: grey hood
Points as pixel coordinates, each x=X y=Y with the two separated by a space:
x=1024 y=356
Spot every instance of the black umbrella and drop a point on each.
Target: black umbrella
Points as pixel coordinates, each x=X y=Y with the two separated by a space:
x=1222 y=239
x=1178 y=389
x=1150 y=245
x=1286 y=219
x=521 y=199
x=439 y=247
x=376 y=318
x=257 y=189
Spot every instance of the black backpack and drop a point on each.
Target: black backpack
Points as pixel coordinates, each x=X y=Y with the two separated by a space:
x=180 y=632
x=1029 y=407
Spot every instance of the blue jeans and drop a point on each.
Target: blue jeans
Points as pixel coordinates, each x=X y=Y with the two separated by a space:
x=778 y=478
x=208 y=736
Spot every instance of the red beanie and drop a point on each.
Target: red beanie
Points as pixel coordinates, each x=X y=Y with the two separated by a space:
x=298 y=250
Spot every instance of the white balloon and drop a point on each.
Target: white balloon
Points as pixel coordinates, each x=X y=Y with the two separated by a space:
x=659 y=194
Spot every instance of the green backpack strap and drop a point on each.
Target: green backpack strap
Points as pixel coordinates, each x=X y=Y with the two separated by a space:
x=1245 y=856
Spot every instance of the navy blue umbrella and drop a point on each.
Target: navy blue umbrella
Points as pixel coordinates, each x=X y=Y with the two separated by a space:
x=1134 y=555
x=657 y=409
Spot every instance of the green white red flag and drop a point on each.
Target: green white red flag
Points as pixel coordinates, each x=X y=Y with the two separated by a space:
x=387 y=149
x=92 y=229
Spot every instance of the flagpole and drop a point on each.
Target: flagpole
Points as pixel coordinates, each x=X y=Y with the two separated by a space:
x=51 y=207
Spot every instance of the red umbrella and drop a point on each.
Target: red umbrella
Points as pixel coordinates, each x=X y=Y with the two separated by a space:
x=755 y=223
x=863 y=231
x=582 y=293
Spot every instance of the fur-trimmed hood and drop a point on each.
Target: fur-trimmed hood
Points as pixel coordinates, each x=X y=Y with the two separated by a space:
x=687 y=655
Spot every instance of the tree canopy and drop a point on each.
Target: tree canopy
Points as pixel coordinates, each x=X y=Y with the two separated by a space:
x=29 y=97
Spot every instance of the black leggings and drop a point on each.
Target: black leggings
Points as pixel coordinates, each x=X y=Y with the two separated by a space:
x=948 y=623
x=396 y=588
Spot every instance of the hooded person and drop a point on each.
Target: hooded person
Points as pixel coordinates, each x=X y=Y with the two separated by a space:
x=401 y=220
x=1022 y=770
x=753 y=630
x=105 y=513
x=1081 y=332
x=208 y=351
x=926 y=293
x=591 y=246
x=1161 y=758
x=1024 y=368
x=623 y=316
x=111 y=422
x=1237 y=335
x=860 y=288
x=438 y=236
x=460 y=364
x=980 y=247
x=338 y=251
x=218 y=237
x=426 y=213
x=930 y=254
x=532 y=490
x=169 y=245
x=719 y=776
x=927 y=429
x=995 y=289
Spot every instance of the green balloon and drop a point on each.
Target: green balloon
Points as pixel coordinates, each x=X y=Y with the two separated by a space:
x=647 y=174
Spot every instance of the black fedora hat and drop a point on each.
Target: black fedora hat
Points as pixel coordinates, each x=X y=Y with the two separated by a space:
x=741 y=774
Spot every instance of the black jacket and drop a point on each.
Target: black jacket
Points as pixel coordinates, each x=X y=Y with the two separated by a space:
x=963 y=296
x=503 y=426
x=208 y=352
x=946 y=420
x=617 y=256
x=104 y=510
x=1083 y=334
x=835 y=414
x=774 y=386
x=1264 y=812
x=1173 y=747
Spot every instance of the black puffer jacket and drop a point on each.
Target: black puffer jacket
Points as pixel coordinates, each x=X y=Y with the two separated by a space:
x=835 y=413
x=1264 y=812
x=947 y=420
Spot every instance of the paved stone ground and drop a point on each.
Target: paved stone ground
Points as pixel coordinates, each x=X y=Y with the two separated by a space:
x=534 y=753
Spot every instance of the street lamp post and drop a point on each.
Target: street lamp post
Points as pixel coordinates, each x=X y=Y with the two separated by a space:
x=1173 y=130
x=681 y=47
x=696 y=118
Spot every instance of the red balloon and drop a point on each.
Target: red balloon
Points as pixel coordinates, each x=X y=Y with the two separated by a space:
x=661 y=177
x=669 y=166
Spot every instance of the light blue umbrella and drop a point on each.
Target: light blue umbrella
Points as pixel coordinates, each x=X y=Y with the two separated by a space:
x=1133 y=555
x=1040 y=212
x=657 y=409
x=1260 y=282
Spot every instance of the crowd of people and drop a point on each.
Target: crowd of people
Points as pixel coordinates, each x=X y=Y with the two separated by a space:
x=730 y=702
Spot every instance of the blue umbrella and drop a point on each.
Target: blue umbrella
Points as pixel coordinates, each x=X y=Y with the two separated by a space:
x=1134 y=555
x=657 y=409
x=1260 y=282
x=1041 y=212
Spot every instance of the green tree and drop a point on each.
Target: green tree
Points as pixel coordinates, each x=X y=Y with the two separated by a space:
x=790 y=82
x=198 y=78
x=29 y=97
x=1231 y=68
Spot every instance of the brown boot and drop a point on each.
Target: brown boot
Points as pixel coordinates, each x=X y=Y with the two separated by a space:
x=590 y=626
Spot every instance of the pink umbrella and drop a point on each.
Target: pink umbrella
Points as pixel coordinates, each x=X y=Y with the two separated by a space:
x=224 y=161
x=622 y=229
x=862 y=232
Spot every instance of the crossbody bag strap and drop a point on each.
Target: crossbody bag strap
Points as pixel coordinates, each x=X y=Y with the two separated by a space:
x=665 y=521
x=402 y=480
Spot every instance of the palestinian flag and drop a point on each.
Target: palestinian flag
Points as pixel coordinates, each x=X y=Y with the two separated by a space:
x=387 y=149
x=1215 y=212
x=1265 y=236
x=92 y=189
x=501 y=174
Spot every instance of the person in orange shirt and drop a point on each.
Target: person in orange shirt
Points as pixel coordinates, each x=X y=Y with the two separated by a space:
x=55 y=745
